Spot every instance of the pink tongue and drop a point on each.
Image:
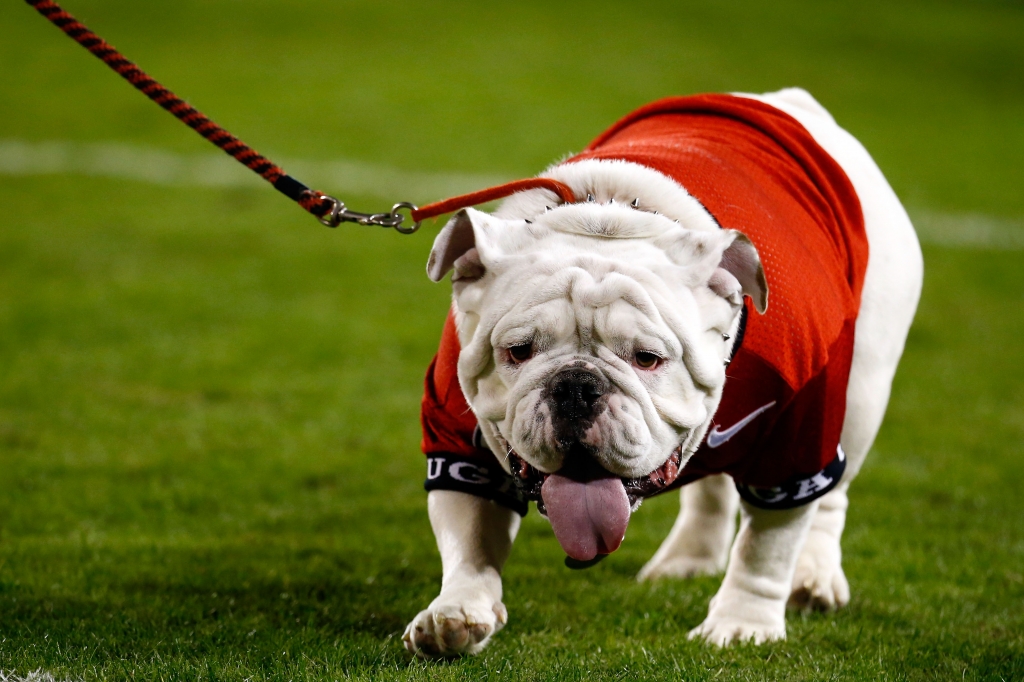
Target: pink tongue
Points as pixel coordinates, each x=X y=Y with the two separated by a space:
x=589 y=518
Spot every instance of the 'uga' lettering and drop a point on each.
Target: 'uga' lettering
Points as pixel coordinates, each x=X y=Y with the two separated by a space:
x=796 y=491
x=474 y=474
x=434 y=467
x=811 y=485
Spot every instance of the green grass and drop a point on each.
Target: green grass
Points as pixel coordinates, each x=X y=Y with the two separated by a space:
x=209 y=461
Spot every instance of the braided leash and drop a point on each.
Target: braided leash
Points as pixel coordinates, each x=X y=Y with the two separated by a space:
x=330 y=211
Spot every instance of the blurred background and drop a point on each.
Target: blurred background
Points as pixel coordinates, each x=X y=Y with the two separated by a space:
x=209 y=430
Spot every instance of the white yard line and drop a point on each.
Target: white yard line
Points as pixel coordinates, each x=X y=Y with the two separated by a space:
x=968 y=230
x=147 y=164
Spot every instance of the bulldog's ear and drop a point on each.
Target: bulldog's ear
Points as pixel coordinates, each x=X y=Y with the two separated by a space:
x=458 y=246
x=740 y=273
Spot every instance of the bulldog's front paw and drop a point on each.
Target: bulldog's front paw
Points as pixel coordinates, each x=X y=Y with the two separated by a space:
x=726 y=631
x=455 y=624
x=819 y=583
x=742 y=617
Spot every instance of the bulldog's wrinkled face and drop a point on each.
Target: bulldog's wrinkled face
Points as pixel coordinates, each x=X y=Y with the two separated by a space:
x=594 y=339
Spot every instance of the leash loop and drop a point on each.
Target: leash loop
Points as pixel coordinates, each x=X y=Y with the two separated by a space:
x=395 y=214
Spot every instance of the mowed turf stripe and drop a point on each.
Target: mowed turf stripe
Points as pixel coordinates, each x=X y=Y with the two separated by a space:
x=347 y=177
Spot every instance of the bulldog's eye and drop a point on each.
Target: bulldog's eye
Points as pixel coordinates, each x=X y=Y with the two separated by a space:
x=645 y=360
x=520 y=353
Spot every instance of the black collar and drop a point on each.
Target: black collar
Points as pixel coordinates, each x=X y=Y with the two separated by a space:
x=740 y=332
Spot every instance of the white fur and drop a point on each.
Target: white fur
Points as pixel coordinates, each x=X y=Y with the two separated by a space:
x=622 y=181
x=776 y=556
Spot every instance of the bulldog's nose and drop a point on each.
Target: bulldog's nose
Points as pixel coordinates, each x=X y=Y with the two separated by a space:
x=574 y=392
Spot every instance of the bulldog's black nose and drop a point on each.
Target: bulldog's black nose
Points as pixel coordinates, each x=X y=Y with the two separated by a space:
x=574 y=392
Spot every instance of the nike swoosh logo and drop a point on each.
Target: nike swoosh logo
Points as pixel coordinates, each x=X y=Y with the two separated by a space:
x=717 y=437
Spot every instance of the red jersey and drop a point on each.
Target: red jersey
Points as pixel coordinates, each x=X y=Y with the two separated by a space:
x=757 y=170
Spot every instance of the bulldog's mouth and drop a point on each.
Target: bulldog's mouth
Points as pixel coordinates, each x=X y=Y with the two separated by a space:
x=589 y=507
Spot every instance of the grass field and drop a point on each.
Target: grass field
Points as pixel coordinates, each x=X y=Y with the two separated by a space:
x=209 y=462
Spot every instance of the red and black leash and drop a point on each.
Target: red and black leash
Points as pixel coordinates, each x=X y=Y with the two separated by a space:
x=329 y=210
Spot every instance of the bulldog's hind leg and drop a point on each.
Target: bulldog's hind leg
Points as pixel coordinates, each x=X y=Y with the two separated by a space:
x=699 y=542
x=474 y=536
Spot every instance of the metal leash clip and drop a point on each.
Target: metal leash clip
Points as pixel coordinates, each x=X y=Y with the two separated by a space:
x=340 y=213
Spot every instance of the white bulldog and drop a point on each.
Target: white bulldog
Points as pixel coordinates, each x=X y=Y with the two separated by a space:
x=595 y=341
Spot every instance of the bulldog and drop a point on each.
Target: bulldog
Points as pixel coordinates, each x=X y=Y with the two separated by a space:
x=720 y=308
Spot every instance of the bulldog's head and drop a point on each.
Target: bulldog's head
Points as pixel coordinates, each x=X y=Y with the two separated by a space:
x=594 y=341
